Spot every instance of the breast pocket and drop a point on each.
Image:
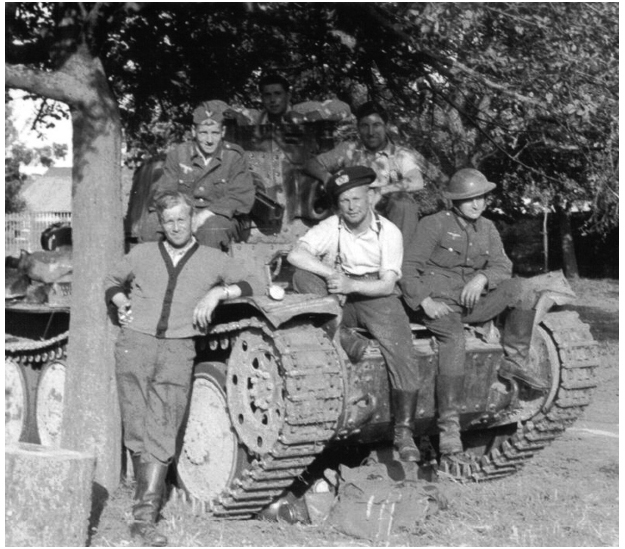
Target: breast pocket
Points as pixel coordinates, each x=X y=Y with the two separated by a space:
x=449 y=252
x=186 y=182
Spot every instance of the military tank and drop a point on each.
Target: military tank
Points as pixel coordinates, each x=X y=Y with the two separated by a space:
x=273 y=389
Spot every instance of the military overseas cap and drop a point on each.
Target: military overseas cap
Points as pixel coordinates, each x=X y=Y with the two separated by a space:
x=348 y=178
x=468 y=183
x=210 y=111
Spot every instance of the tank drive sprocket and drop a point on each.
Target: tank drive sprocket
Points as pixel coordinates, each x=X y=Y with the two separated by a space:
x=285 y=392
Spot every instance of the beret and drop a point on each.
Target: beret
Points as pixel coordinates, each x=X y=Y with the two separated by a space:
x=348 y=178
x=210 y=111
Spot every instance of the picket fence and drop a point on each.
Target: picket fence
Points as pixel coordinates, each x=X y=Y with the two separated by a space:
x=22 y=231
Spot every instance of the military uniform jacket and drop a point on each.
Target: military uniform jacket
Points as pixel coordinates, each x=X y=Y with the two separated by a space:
x=446 y=254
x=224 y=185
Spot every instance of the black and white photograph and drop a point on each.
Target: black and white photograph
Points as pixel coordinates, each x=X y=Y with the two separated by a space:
x=309 y=274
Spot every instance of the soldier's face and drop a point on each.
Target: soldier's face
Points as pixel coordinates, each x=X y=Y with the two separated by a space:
x=472 y=208
x=176 y=223
x=207 y=137
x=372 y=131
x=275 y=99
x=354 y=206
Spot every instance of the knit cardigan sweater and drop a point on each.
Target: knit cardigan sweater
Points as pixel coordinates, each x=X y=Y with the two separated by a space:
x=163 y=296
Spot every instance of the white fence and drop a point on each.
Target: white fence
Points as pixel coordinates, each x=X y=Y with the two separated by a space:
x=23 y=231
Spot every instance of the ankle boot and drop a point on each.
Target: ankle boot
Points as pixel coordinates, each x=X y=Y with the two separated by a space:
x=449 y=393
x=517 y=337
x=353 y=344
x=404 y=409
x=148 y=497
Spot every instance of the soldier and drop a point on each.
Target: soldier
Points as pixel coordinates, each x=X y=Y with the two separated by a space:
x=275 y=94
x=397 y=168
x=356 y=256
x=215 y=174
x=175 y=285
x=457 y=272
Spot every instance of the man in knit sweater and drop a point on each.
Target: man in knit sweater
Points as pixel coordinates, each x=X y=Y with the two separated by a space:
x=175 y=285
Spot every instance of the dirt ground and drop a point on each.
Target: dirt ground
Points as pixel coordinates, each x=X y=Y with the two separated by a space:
x=566 y=496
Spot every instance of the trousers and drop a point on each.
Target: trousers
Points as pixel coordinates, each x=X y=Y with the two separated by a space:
x=153 y=380
x=449 y=329
x=386 y=320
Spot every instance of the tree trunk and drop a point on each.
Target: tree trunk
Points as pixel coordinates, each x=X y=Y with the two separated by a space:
x=91 y=421
x=569 y=260
x=48 y=496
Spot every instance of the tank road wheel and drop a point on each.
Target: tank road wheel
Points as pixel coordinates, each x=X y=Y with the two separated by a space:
x=251 y=434
x=50 y=399
x=563 y=348
x=255 y=392
x=15 y=401
x=210 y=457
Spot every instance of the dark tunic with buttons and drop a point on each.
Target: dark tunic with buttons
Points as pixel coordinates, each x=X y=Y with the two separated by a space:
x=224 y=185
x=446 y=255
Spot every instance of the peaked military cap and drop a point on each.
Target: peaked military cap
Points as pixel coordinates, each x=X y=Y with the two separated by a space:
x=348 y=178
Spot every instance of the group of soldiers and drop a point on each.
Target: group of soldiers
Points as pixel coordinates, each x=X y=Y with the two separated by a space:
x=383 y=264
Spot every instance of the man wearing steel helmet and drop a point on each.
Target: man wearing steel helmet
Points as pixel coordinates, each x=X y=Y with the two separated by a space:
x=457 y=272
x=215 y=174
x=356 y=256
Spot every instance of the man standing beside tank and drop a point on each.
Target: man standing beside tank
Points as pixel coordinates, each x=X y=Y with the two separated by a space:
x=356 y=256
x=215 y=174
x=175 y=286
x=457 y=272
x=397 y=168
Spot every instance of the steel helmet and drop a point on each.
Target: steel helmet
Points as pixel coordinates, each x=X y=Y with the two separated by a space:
x=467 y=183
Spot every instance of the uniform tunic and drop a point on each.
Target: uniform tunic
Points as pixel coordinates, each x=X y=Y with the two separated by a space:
x=438 y=264
x=447 y=254
x=154 y=353
x=224 y=185
x=367 y=255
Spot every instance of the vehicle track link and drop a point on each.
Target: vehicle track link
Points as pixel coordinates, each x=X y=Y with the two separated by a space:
x=314 y=388
x=578 y=355
x=35 y=352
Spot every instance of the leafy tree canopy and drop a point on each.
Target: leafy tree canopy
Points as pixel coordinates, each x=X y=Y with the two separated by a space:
x=526 y=92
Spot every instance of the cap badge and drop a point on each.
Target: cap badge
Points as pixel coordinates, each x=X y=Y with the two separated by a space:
x=341 y=180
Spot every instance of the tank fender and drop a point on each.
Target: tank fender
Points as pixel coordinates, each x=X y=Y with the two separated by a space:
x=292 y=305
x=543 y=291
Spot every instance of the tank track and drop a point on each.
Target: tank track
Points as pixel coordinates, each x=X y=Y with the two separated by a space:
x=579 y=357
x=31 y=351
x=313 y=385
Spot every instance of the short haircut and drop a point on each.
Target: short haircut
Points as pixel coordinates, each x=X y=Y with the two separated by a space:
x=273 y=78
x=171 y=199
x=369 y=108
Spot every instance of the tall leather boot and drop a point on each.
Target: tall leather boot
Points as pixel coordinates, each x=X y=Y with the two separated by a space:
x=404 y=409
x=449 y=393
x=517 y=337
x=148 y=497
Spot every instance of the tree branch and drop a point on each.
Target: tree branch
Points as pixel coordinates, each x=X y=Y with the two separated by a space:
x=56 y=85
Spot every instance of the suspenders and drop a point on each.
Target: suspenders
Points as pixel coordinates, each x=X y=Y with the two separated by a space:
x=338 y=262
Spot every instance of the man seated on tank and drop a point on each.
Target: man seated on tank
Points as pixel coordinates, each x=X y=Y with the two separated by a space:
x=456 y=272
x=275 y=95
x=215 y=174
x=174 y=287
x=356 y=257
x=397 y=168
